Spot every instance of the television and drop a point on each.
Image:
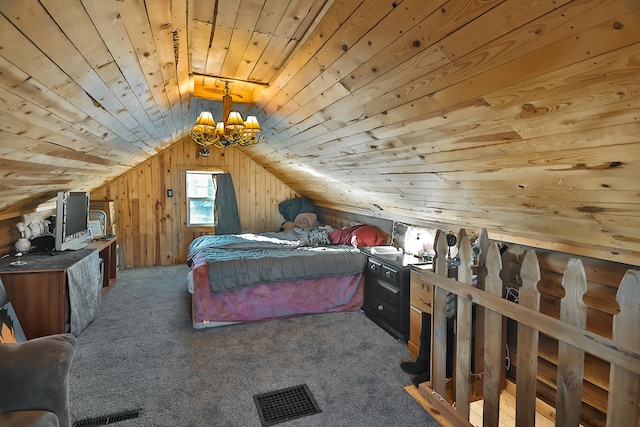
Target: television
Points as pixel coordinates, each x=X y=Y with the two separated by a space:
x=72 y=220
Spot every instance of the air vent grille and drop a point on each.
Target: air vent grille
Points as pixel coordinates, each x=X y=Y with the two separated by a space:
x=287 y=404
x=108 y=419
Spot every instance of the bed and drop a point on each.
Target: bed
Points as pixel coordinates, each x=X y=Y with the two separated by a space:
x=252 y=277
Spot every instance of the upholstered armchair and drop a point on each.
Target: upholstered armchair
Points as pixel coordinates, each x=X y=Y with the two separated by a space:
x=34 y=380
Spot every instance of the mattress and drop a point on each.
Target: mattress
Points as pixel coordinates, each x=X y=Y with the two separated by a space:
x=330 y=284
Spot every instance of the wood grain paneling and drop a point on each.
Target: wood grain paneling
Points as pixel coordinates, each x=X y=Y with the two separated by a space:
x=518 y=116
x=152 y=227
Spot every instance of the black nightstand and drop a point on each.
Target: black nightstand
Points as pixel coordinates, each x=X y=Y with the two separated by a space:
x=386 y=291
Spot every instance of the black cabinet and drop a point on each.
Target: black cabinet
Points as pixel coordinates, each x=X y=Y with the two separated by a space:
x=386 y=294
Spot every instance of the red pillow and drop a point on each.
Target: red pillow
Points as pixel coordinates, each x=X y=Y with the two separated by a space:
x=366 y=235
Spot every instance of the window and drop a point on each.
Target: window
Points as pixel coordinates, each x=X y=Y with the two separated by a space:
x=201 y=191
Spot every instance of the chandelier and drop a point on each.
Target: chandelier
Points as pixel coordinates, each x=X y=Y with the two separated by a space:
x=234 y=131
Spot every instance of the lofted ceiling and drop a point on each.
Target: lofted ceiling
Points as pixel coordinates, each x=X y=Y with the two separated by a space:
x=519 y=116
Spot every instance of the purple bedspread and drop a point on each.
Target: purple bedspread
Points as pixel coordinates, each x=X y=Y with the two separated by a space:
x=274 y=300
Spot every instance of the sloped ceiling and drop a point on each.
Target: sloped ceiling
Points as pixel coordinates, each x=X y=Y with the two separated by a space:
x=518 y=116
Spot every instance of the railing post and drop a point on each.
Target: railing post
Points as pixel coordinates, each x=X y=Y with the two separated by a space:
x=527 y=361
x=478 y=350
x=439 y=363
x=624 y=385
x=494 y=355
x=571 y=359
x=463 y=330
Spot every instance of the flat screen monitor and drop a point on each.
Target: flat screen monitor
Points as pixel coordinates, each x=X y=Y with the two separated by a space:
x=72 y=220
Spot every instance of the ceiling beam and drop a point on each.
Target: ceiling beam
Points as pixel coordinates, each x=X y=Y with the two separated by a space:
x=212 y=88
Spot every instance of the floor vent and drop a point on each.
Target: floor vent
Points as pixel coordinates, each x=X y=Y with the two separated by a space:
x=287 y=404
x=108 y=419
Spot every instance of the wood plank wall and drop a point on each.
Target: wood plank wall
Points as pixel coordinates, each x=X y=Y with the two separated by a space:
x=151 y=227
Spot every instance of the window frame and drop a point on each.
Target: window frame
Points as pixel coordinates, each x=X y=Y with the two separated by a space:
x=188 y=219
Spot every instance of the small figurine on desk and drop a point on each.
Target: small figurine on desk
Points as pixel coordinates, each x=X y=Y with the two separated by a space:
x=35 y=237
x=23 y=244
x=19 y=261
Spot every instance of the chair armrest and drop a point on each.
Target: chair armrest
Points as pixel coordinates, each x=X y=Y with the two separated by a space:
x=35 y=375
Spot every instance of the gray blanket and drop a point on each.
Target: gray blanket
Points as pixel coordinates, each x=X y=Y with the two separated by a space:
x=235 y=261
x=85 y=292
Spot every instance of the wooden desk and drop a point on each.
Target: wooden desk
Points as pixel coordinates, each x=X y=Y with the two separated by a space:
x=420 y=301
x=38 y=290
x=108 y=250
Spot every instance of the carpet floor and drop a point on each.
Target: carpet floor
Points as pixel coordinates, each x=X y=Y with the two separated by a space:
x=142 y=353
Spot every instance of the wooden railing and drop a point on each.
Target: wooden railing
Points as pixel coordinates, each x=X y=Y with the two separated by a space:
x=622 y=351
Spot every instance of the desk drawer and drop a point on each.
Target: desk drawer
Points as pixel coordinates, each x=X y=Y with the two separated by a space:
x=374 y=268
x=389 y=274
x=421 y=296
x=381 y=310
x=383 y=291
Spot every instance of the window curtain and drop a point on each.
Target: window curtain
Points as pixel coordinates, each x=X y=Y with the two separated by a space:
x=226 y=206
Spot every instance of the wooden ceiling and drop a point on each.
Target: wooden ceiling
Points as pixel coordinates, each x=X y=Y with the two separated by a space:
x=519 y=116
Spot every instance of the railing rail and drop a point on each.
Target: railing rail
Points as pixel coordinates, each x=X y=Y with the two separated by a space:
x=622 y=351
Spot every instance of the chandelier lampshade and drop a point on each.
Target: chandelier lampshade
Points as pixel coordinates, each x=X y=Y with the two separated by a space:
x=252 y=125
x=233 y=131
